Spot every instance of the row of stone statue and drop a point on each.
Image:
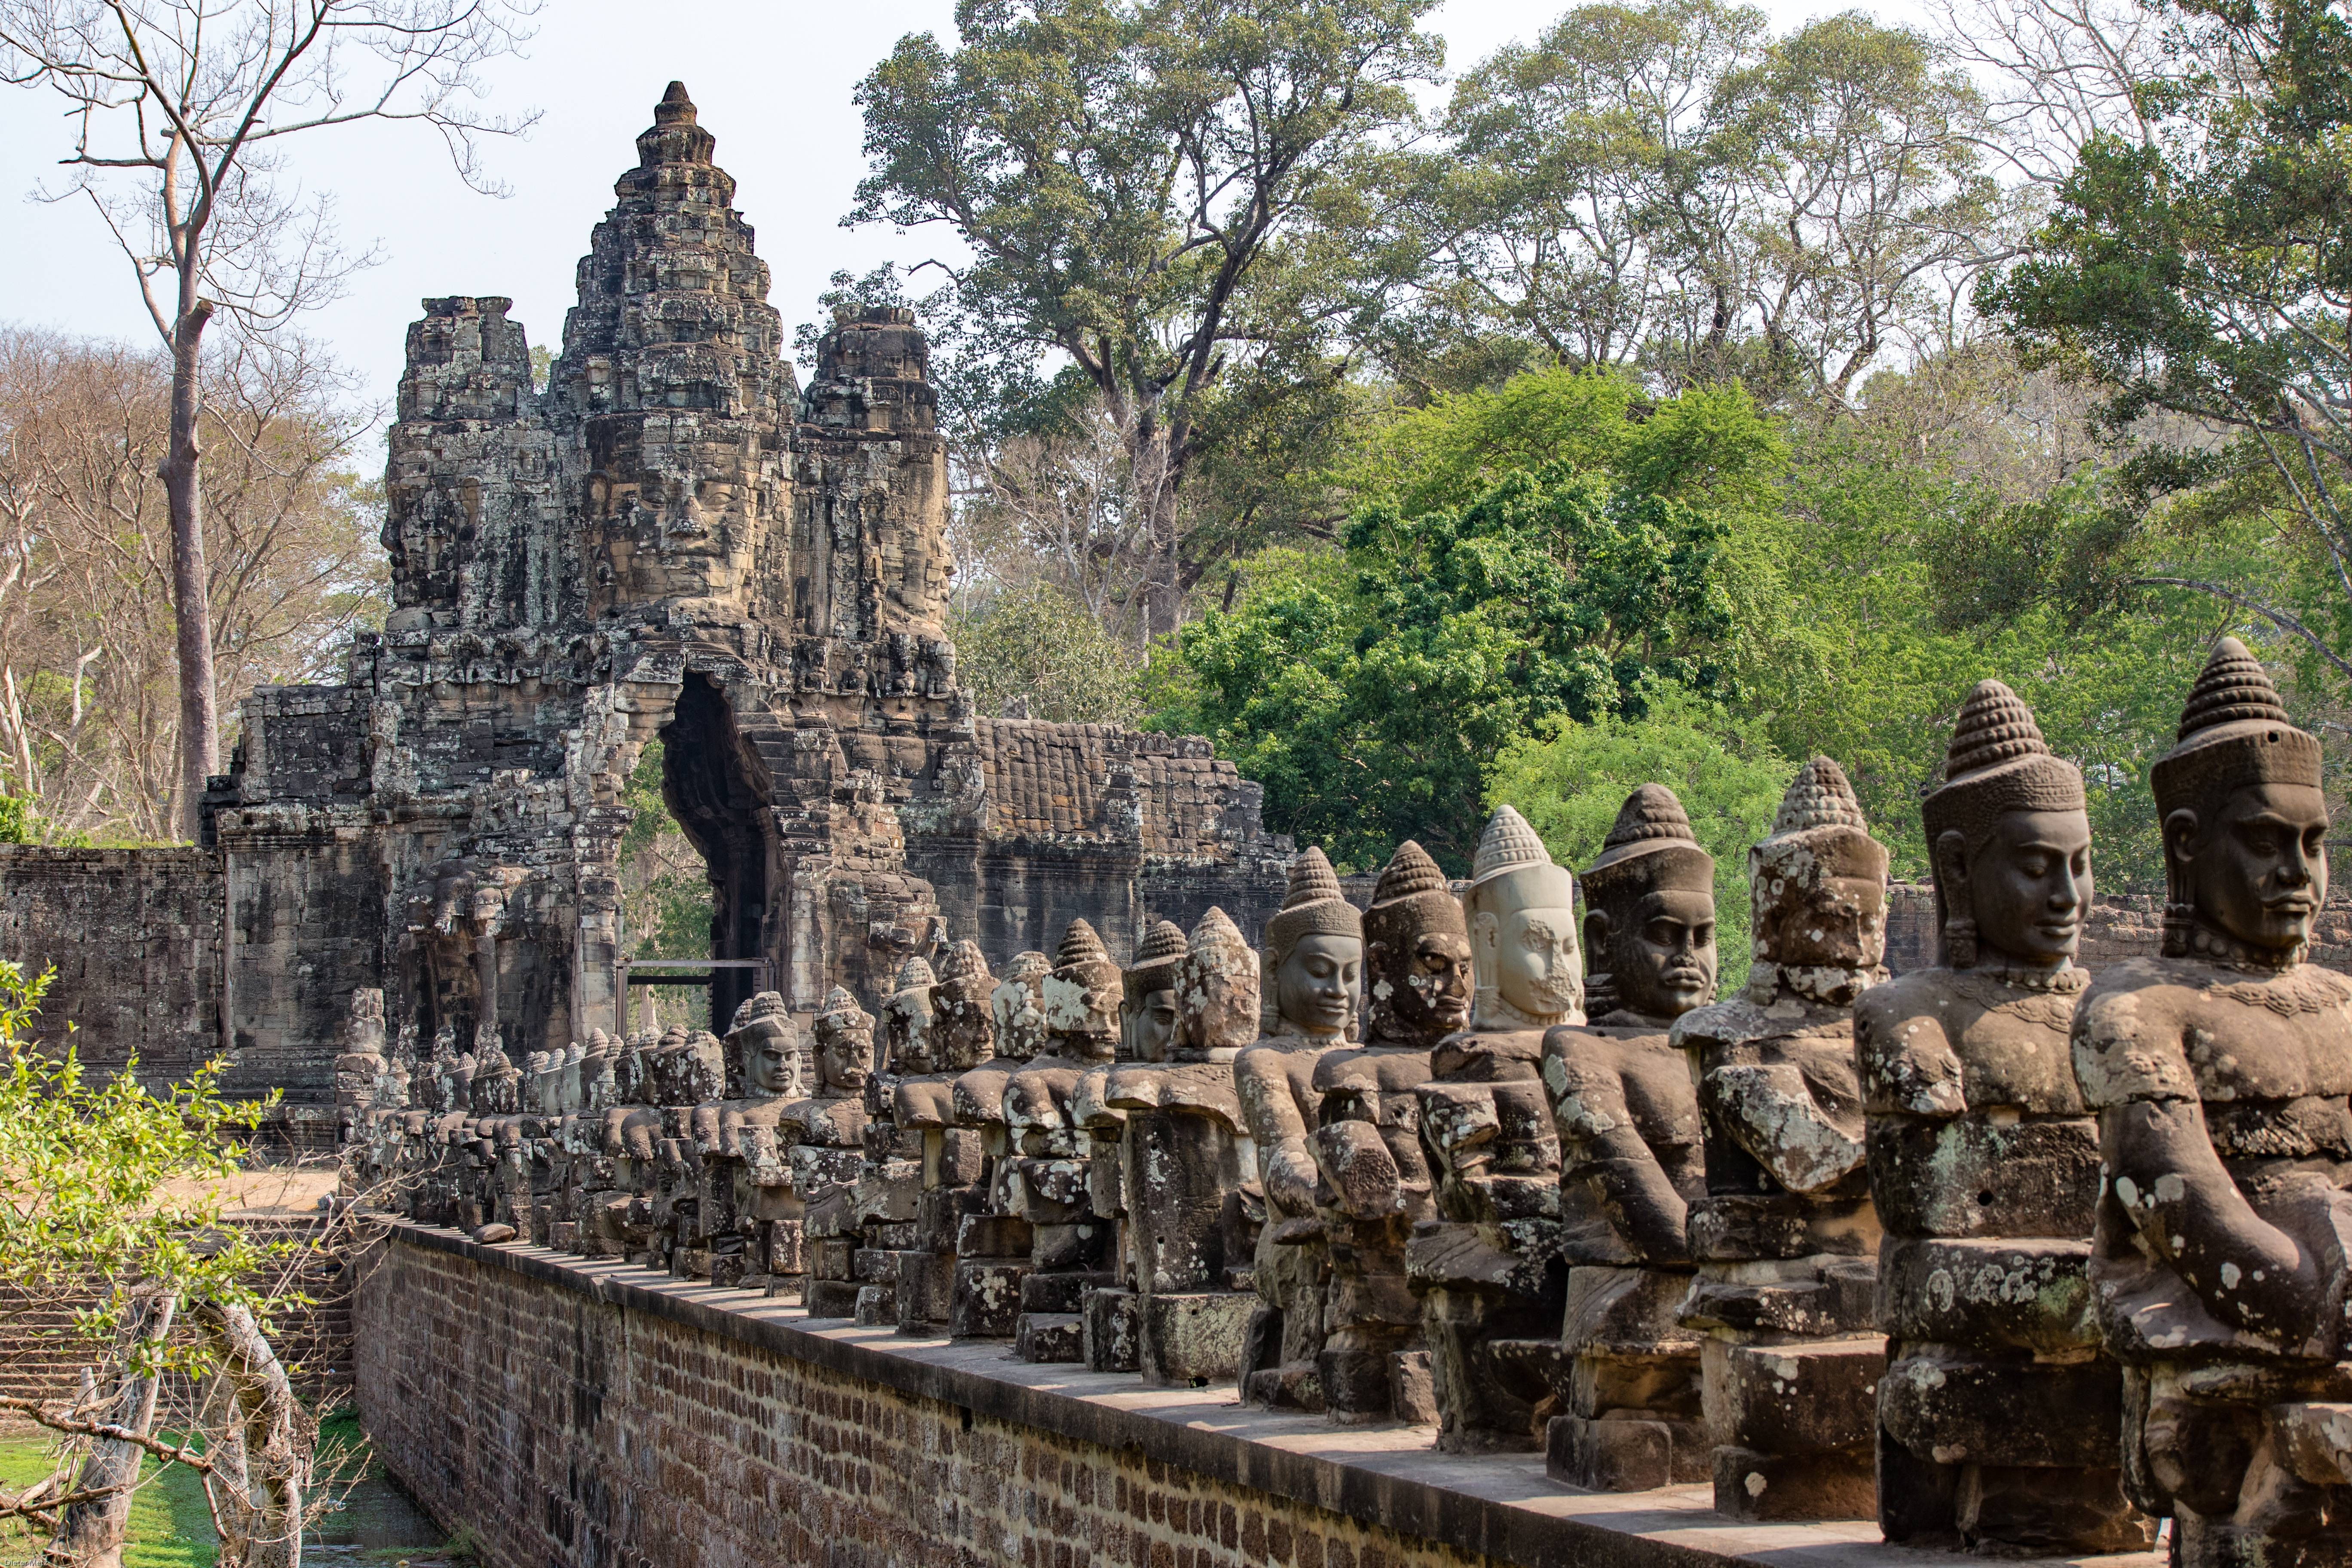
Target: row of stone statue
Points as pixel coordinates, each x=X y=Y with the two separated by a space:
x=2018 y=1261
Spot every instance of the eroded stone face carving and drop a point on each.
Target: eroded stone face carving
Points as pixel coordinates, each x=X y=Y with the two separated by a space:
x=828 y=1135
x=1997 y=1421
x=1628 y=1118
x=1488 y=1271
x=2222 y=1077
x=1785 y=1240
x=1182 y=1157
x=962 y=1032
x=1373 y=1181
x=1312 y=961
x=1071 y=1247
x=992 y=1251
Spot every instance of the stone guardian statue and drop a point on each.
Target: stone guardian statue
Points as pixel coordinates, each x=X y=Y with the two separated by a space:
x=2220 y=1073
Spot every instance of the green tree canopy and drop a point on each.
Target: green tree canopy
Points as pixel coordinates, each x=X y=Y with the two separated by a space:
x=1163 y=191
x=1372 y=704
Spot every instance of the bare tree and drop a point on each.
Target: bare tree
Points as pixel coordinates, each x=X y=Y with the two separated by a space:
x=182 y=109
x=88 y=729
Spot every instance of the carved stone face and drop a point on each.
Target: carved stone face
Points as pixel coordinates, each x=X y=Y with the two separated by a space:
x=1314 y=985
x=1081 y=1006
x=1821 y=903
x=1153 y=1028
x=907 y=1029
x=2025 y=886
x=2258 y=872
x=768 y=1060
x=844 y=1057
x=1661 y=952
x=1537 y=967
x=1420 y=987
x=1018 y=1005
x=1217 y=995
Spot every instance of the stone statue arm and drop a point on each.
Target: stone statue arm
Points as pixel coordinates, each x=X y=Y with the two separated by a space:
x=2249 y=1274
x=1286 y=1158
x=1359 y=1171
x=1770 y=1110
x=1595 y=1122
x=1905 y=1062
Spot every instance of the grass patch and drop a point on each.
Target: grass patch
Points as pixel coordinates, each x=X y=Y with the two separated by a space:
x=170 y=1525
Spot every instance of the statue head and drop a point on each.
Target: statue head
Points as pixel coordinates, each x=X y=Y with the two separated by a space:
x=1649 y=921
x=845 y=1043
x=1018 y=1005
x=1147 y=1020
x=1520 y=912
x=1081 y=996
x=2010 y=838
x=906 y=1020
x=1216 y=990
x=1417 y=972
x=701 y=1069
x=766 y=1046
x=963 y=1018
x=1818 y=881
x=1314 y=955
x=2245 y=821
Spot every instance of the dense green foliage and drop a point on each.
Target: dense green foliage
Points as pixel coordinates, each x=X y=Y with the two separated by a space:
x=1571 y=781
x=1476 y=611
x=114 y=1185
x=1037 y=649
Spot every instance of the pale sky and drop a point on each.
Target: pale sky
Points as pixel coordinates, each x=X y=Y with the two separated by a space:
x=772 y=82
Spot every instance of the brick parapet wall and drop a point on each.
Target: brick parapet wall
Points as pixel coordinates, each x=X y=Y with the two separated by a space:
x=598 y=1416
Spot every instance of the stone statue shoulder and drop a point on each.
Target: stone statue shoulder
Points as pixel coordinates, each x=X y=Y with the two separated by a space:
x=1371 y=1070
x=978 y=1097
x=927 y=1102
x=1938 y=1042
x=1481 y=1055
x=1088 y=1104
x=2180 y=1028
x=1202 y=1087
x=1597 y=1073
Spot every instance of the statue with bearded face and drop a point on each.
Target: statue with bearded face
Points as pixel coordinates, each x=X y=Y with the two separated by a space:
x=1628 y=1119
x=1373 y=1184
x=1071 y=1247
x=824 y=1136
x=1182 y=1155
x=1488 y=1271
x=1997 y=1418
x=1784 y=1241
x=2220 y=1074
x=1311 y=963
x=747 y=1184
x=1108 y=1325
x=890 y=1181
x=961 y=1033
x=992 y=1244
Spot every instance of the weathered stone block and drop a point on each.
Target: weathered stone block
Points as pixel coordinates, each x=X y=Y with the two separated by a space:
x=1627 y=1454
x=1049 y=1337
x=1111 y=1319
x=1832 y=1484
x=986 y=1302
x=1784 y=1399
x=1193 y=1338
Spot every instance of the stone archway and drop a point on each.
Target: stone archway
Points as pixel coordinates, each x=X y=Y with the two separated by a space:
x=710 y=782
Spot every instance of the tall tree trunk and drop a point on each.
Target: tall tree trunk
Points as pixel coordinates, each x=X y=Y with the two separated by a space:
x=1157 y=470
x=91 y=1534
x=192 y=606
x=262 y=1460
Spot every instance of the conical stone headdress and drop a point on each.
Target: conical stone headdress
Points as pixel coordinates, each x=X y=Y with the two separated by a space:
x=1156 y=959
x=1314 y=906
x=913 y=975
x=1412 y=896
x=1649 y=846
x=1509 y=851
x=2234 y=731
x=1997 y=762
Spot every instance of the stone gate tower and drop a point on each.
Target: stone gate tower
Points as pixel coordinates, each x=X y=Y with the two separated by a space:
x=673 y=540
